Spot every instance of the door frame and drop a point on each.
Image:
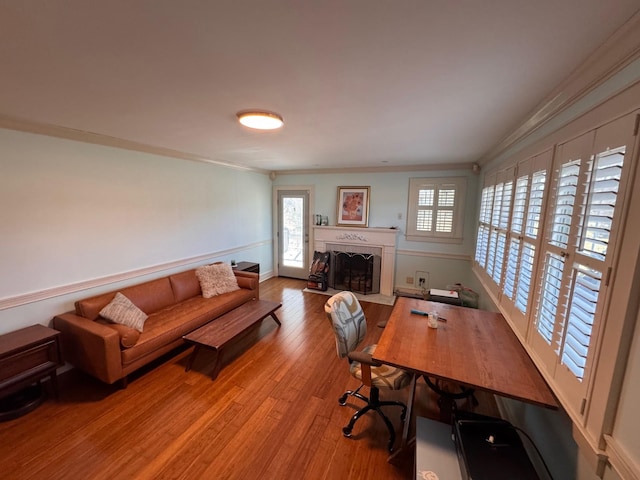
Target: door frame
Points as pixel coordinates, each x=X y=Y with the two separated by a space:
x=274 y=223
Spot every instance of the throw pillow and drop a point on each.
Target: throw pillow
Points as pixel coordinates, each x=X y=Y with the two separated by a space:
x=216 y=279
x=121 y=310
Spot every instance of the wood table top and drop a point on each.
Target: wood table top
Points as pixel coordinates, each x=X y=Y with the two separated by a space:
x=473 y=347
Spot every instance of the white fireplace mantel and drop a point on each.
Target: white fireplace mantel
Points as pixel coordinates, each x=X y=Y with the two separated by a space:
x=384 y=238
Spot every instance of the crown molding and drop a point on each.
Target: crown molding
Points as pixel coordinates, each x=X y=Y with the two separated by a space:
x=38 y=128
x=387 y=169
x=608 y=60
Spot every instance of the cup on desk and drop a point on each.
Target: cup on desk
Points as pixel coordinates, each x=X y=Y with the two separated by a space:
x=432 y=320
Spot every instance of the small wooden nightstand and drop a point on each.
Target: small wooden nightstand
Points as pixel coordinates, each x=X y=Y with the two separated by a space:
x=248 y=267
x=27 y=356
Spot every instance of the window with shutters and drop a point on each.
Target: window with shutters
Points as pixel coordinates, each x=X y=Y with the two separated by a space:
x=553 y=286
x=484 y=227
x=551 y=258
x=500 y=223
x=576 y=253
x=524 y=237
x=493 y=227
x=435 y=209
x=515 y=243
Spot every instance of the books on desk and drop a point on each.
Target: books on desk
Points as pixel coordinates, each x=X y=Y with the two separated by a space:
x=444 y=293
x=445 y=296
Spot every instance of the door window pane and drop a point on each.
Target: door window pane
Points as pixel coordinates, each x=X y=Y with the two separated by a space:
x=293 y=232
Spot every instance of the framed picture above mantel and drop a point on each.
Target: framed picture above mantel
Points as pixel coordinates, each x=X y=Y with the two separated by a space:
x=353 y=206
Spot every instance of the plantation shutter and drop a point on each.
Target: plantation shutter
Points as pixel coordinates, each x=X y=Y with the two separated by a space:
x=426 y=198
x=577 y=257
x=436 y=204
x=435 y=209
x=531 y=238
x=524 y=239
x=495 y=222
x=482 y=241
x=515 y=243
x=562 y=214
x=503 y=223
x=599 y=202
x=554 y=286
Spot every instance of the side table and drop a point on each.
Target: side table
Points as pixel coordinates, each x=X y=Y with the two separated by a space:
x=27 y=356
x=247 y=267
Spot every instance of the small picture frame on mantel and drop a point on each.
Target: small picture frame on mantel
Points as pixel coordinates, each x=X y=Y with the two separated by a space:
x=353 y=206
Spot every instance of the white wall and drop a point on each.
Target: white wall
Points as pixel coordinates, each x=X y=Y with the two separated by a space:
x=446 y=263
x=625 y=429
x=74 y=217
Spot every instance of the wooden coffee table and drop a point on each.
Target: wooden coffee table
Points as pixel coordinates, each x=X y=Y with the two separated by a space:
x=219 y=332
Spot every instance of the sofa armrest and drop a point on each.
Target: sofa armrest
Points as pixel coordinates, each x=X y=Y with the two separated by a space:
x=249 y=280
x=90 y=346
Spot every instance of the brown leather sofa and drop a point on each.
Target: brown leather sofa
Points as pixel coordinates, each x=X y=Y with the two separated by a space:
x=175 y=307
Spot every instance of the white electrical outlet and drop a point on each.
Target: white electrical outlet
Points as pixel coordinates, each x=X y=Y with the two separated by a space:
x=422 y=280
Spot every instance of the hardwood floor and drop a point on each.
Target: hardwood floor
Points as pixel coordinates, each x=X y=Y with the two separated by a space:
x=272 y=413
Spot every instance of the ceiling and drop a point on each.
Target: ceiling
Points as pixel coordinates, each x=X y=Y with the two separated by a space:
x=360 y=83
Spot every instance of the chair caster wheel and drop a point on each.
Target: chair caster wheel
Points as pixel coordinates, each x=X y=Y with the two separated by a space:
x=342 y=400
x=346 y=431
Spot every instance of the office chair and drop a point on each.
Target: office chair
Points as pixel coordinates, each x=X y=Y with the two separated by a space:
x=350 y=327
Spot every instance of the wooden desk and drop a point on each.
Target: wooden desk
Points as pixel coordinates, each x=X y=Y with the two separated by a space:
x=475 y=348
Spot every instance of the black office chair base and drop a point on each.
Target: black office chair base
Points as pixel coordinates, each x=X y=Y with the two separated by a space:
x=354 y=393
x=373 y=403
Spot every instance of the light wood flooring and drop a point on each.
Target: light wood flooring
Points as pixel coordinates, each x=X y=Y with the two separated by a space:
x=272 y=413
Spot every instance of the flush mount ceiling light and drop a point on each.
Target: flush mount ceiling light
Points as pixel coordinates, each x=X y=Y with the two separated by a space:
x=260 y=120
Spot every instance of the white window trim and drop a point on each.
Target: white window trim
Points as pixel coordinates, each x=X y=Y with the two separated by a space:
x=415 y=184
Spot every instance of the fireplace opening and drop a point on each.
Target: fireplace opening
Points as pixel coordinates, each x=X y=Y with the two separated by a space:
x=357 y=272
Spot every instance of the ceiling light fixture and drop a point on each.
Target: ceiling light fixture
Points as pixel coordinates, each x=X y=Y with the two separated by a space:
x=260 y=120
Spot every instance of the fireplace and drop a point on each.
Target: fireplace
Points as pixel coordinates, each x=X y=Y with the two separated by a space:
x=357 y=272
x=375 y=242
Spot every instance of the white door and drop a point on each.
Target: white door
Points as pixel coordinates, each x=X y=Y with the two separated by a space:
x=293 y=233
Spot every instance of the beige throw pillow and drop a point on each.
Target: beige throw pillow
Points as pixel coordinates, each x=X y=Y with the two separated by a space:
x=216 y=279
x=121 y=310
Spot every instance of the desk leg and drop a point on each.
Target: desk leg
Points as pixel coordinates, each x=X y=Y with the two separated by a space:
x=405 y=441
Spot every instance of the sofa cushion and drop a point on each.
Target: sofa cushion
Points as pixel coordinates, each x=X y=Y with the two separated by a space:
x=172 y=323
x=123 y=311
x=216 y=279
x=148 y=297
x=185 y=285
x=151 y=296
